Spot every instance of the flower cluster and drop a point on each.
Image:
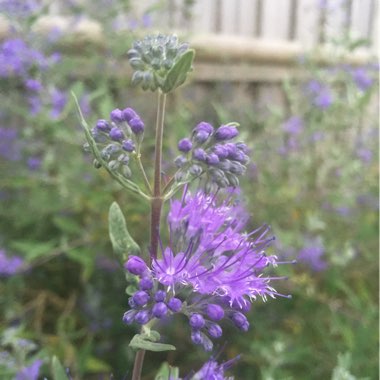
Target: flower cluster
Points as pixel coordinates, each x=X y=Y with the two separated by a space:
x=211 y=151
x=10 y=265
x=212 y=370
x=17 y=58
x=153 y=57
x=320 y=94
x=118 y=138
x=210 y=272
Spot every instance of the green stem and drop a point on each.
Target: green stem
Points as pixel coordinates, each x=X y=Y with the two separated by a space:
x=141 y=167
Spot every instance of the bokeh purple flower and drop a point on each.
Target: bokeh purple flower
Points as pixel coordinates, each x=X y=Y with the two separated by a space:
x=312 y=255
x=10 y=265
x=30 y=372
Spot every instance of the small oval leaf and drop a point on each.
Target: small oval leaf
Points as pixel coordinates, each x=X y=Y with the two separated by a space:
x=178 y=73
x=121 y=240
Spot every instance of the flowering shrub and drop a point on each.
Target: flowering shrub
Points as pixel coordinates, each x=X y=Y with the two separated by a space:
x=211 y=269
x=313 y=176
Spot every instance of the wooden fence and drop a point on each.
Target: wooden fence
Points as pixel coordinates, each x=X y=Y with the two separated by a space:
x=308 y=21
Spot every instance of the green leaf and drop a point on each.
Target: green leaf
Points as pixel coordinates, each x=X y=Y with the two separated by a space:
x=167 y=372
x=57 y=370
x=121 y=240
x=178 y=73
x=33 y=249
x=147 y=341
x=67 y=225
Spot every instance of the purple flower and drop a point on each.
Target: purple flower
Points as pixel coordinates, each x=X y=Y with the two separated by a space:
x=219 y=267
x=320 y=94
x=10 y=144
x=214 y=256
x=58 y=103
x=34 y=163
x=362 y=79
x=293 y=126
x=31 y=372
x=33 y=85
x=324 y=99
x=312 y=255
x=10 y=265
x=211 y=370
x=364 y=154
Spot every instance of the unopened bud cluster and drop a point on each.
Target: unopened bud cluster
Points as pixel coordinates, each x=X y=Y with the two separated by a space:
x=211 y=151
x=153 y=57
x=149 y=301
x=154 y=300
x=117 y=138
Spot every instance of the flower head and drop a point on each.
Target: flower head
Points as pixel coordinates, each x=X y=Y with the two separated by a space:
x=210 y=272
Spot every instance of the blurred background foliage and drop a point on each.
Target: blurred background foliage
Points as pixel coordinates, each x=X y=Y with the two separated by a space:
x=313 y=178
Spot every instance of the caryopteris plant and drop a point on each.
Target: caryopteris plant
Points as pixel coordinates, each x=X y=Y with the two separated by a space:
x=210 y=269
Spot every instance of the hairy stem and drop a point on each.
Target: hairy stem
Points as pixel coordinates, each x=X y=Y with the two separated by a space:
x=156 y=204
x=139 y=360
x=155 y=207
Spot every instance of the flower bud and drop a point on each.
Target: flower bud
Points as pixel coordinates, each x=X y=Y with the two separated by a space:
x=128 y=145
x=240 y=321
x=214 y=330
x=146 y=283
x=199 y=154
x=159 y=310
x=212 y=159
x=116 y=134
x=195 y=170
x=116 y=115
x=221 y=151
x=196 y=337
x=200 y=137
x=180 y=161
x=129 y=317
x=129 y=114
x=131 y=303
x=97 y=164
x=214 y=312
x=86 y=147
x=135 y=265
x=237 y=168
x=141 y=298
x=137 y=125
x=114 y=165
x=160 y=296
x=185 y=145
x=203 y=126
x=103 y=125
x=142 y=317
x=196 y=321
x=226 y=132
x=98 y=136
x=175 y=304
